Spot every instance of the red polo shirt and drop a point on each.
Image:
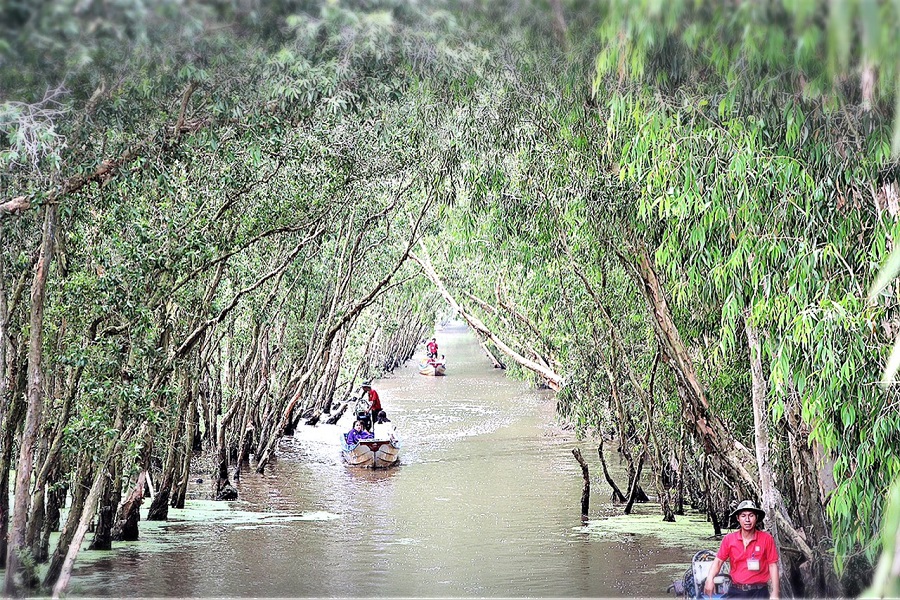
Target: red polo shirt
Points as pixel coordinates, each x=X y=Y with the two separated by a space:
x=761 y=547
x=375 y=400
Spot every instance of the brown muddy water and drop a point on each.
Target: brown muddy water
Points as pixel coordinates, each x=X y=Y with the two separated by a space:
x=486 y=502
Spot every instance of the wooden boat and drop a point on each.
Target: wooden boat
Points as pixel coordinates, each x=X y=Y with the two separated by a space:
x=433 y=369
x=372 y=453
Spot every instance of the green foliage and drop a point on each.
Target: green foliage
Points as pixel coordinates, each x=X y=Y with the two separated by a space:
x=738 y=142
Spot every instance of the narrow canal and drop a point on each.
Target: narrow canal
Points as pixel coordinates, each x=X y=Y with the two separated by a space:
x=485 y=503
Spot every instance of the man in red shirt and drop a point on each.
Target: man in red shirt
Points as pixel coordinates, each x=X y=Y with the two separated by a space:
x=753 y=557
x=374 y=402
x=432 y=348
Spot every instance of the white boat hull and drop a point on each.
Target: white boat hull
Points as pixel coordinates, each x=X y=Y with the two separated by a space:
x=372 y=454
x=432 y=370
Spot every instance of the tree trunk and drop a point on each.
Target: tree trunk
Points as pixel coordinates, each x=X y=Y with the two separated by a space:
x=56 y=500
x=87 y=514
x=708 y=428
x=126 y=528
x=184 y=471
x=4 y=344
x=159 y=507
x=14 y=559
x=634 y=489
x=679 y=497
x=13 y=419
x=245 y=442
x=36 y=523
x=656 y=456
x=106 y=516
x=759 y=393
x=586 y=488
x=49 y=465
x=494 y=360
x=336 y=416
x=221 y=481
x=80 y=482
x=611 y=362
x=617 y=495
x=709 y=506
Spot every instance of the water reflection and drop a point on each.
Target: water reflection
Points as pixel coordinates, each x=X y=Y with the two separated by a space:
x=486 y=502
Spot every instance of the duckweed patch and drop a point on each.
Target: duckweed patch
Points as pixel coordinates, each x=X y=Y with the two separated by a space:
x=157 y=536
x=690 y=530
x=227 y=513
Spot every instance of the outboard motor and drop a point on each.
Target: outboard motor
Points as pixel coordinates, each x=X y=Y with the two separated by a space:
x=364 y=416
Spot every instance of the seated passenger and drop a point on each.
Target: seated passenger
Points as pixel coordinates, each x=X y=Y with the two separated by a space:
x=357 y=433
x=384 y=430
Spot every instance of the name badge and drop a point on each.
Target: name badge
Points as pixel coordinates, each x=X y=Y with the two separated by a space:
x=753 y=564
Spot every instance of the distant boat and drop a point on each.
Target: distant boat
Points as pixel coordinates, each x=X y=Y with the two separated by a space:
x=372 y=453
x=432 y=368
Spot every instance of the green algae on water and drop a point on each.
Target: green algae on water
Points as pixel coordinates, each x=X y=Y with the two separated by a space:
x=691 y=530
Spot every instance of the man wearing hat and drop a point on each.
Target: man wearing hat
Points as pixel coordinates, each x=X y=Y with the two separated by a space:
x=752 y=554
x=374 y=402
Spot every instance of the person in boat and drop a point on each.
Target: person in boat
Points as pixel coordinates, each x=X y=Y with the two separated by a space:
x=383 y=428
x=753 y=557
x=433 y=361
x=373 y=400
x=432 y=349
x=357 y=433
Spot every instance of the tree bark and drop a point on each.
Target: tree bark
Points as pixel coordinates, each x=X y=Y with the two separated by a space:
x=679 y=498
x=56 y=500
x=107 y=509
x=4 y=344
x=21 y=509
x=159 y=507
x=759 y=392
x=586 y=488
x=80 y=482
x=187 y=451
x=634 y=488
x=87 y=514
x=126 y=527
x=709 y=506
x=13 y=420
x=617 y=495
x=494 y=360
x=49 y=464
x=771 y=496
x=708 y=428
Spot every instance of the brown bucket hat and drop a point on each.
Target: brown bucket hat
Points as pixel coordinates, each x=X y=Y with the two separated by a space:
x=748 y=505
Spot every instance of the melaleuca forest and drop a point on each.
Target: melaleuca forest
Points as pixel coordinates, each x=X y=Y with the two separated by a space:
x=449 y=298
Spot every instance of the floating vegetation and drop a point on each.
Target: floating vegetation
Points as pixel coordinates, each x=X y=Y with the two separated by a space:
x=690 y=530
x=225 y=513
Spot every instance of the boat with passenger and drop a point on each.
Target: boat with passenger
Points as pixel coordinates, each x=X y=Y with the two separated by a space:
x=375 y=449
x=372 y=453
x=433 y=367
